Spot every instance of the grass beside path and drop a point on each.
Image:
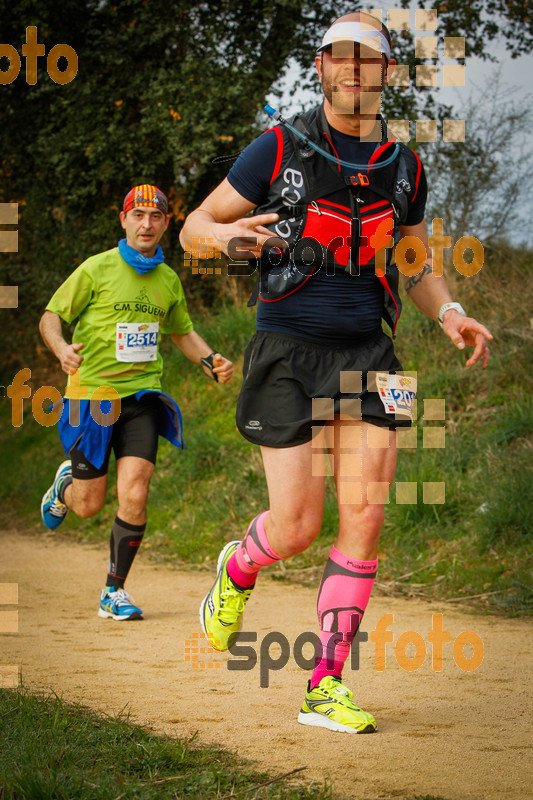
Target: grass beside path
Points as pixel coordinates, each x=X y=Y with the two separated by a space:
x=475 y=548
x=54 y=751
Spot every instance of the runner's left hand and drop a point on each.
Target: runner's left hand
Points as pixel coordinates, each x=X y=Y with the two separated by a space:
x=468 y=331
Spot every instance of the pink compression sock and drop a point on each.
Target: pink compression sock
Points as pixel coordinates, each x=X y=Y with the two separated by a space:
x=252 y=554
x=342 y=599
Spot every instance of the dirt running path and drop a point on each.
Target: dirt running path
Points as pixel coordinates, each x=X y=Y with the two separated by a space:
x=455 y=734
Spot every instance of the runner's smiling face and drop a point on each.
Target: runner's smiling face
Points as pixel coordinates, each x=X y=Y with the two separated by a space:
x=144 y=228
x=347 y=71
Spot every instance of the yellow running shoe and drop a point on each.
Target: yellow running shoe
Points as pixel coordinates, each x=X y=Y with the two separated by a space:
x=329 y=705
x=222 y=608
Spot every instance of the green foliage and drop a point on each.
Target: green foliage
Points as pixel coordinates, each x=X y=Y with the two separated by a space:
x=506 y=514
x=55 y=751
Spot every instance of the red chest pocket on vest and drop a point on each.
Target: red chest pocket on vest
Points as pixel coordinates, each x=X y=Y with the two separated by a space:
x=330 y=225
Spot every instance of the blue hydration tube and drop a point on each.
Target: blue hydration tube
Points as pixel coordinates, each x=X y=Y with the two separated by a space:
x=367 y=167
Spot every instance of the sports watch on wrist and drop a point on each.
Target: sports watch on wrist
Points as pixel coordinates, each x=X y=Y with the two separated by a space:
x=446 y=307
x=207 y=361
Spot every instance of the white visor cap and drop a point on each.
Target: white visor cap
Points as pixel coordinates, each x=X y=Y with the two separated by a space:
x=363 y=34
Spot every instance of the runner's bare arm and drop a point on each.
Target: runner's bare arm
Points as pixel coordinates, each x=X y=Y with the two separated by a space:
x=194 y=348
x=221 y=219
x=430 y=292
x=68 y=355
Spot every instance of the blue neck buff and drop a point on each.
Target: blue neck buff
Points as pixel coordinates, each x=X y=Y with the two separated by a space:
x=141 y=264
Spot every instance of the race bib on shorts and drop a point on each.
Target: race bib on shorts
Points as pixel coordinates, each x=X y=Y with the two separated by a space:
x=397 y=393
x=137 y=341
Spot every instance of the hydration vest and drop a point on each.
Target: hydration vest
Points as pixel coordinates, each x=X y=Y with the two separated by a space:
x=330 y=220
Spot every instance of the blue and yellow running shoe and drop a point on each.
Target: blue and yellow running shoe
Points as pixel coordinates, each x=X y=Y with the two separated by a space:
x=222 y=608
x=118 y=604
x=53 y=511
x=329 y=705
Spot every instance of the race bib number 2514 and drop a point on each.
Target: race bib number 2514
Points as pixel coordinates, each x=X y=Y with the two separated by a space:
x=137 y=341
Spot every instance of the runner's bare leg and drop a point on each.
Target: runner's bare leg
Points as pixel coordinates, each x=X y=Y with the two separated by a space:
x=85 y=498
x=133 y=481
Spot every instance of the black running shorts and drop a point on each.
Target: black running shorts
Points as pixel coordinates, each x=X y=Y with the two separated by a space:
x=135 y=433
x=291 y=385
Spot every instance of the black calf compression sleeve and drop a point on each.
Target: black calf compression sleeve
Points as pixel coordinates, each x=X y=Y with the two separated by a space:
x=123 y=545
